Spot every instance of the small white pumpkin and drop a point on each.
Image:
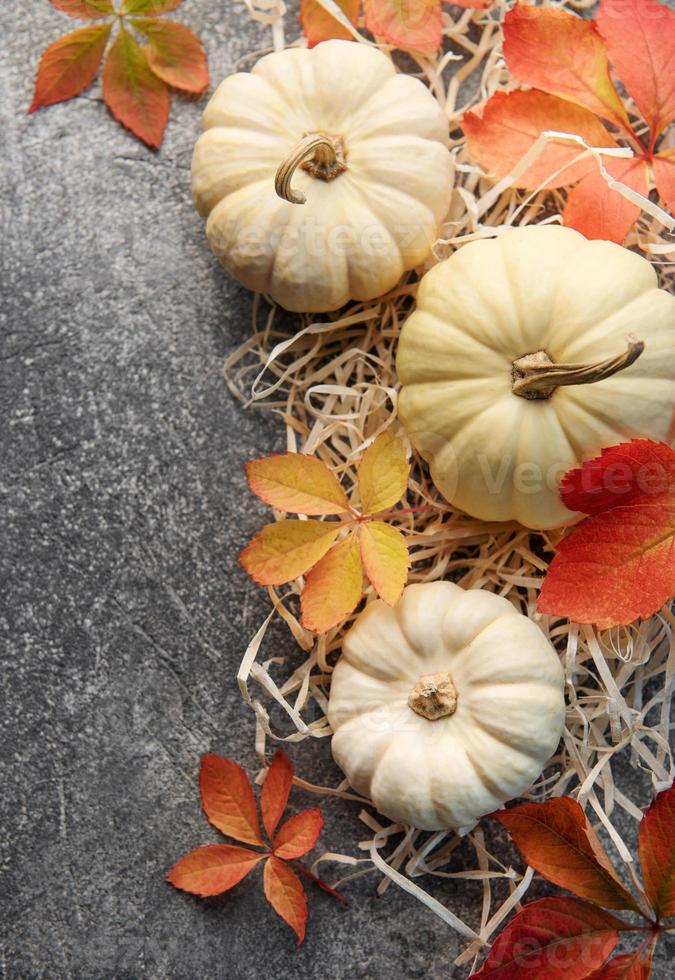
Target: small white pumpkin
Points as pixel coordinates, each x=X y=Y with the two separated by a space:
x=527 y=354
x=444 y=706
x=366 y=150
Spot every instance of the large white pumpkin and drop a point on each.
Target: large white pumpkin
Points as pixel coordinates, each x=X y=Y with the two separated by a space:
x=445 y=705
x=498 y=423
x=323 y=175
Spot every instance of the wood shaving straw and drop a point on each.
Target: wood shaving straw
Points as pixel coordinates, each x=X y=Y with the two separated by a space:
x=334 y=385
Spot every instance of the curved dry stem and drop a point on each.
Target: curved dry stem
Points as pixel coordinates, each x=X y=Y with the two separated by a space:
x=318 y=153
x=537 y=376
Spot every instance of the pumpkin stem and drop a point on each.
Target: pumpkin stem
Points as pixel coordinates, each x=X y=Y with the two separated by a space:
x=434 y=696
x=536 y=376
x=321 y=155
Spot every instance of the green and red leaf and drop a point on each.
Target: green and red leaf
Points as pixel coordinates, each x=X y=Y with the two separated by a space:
x=136 y=97
x=85 y=9
x=413 y=25
x=284 y=892
x=69 y=65
x=212 y=869
x=552 y=939
x=557 y=841
x=619 y=565
x=174 y=54
x=227 y=799
x=275 y=791
x=657 y=853
x=298 y=834
x=284 y=550
x=333 y=587
x=149 y=8
x=319 y=25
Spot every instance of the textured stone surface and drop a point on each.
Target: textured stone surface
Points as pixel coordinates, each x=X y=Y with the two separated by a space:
x=124 y=613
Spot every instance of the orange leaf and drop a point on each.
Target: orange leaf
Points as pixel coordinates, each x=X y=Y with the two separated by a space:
x=85 y=9
x=640 y=36
x=663 y=165
x=619 y=564
x=69 y=65
x=383 y=474
x=318 y=24
x=384 y=554
x=212 y=869
x=136 y=97
x=599 y=211
x=298 y=835
x=563 y=55
x=175 y=54
x=657 y=853
x=469 y=4
x=227 y=799
x=151 y=8
x=280 y=552
x=557 y=841
x=284 y=892
x=502 y=131
x=333 y=587
x=552 y=939
x=296 y=483
x=630 y=966
x=275 y=791
x=414 y=25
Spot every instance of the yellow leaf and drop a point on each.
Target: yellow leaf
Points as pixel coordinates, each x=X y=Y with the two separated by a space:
x=383 y=474
x=282 y=551
x=333 y=587
x=296 y=483
x=385 y=559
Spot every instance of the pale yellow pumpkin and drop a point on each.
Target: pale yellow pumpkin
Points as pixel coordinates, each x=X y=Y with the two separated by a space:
x=445 y=705
x=323 y=175
x=527 y=354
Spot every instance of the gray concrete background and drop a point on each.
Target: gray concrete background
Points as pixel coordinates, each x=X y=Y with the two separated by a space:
x=124 y=613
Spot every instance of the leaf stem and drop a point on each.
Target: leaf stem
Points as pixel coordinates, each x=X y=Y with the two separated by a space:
x=318 y=881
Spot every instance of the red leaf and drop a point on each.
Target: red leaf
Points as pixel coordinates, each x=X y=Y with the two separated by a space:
x=150 y=8
x=598 y=211
x=563 y=55
x=318 y=24
x=502 y=131
x=298 y=835
x=85 y=9
x=284 y=892
x=136 y=97
x=619 y=565
x=657 y=853
x=275 y=791
x=69 y=65
x=413 y=25
x=663 y=165
x=212 y=869
x=174 y=54
x=630 y=966
x=552 y=939
x=227 y=799
x=640 y=36
x=333 y=587
x=557 y=841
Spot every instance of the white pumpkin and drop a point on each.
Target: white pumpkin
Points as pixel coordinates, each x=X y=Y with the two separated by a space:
x=445 y=705
x=524 y=357
x=323 y=175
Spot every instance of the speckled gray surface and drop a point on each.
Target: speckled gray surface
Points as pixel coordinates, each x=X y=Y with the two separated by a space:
x=123 y=612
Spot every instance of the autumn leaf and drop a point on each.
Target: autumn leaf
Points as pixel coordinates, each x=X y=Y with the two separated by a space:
x=318 y=24
x=663 y=165
x=229 y=803
x=213 y=869
x=227 y=799
x=136 y=97
x=619 y=565
x=555 y=839
x=296 y=483
x=413 y=25
x=275 y=791
x=69 y=65
x=563 y=55
x=384 y=553
x=85 y=9
x=333 y=587
x=629 y=966
x=383 y=474
x=657 y=853
x=150 y=8
x=592 y=206
x=174 y=54
x=552 y=939
x=280 y=552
